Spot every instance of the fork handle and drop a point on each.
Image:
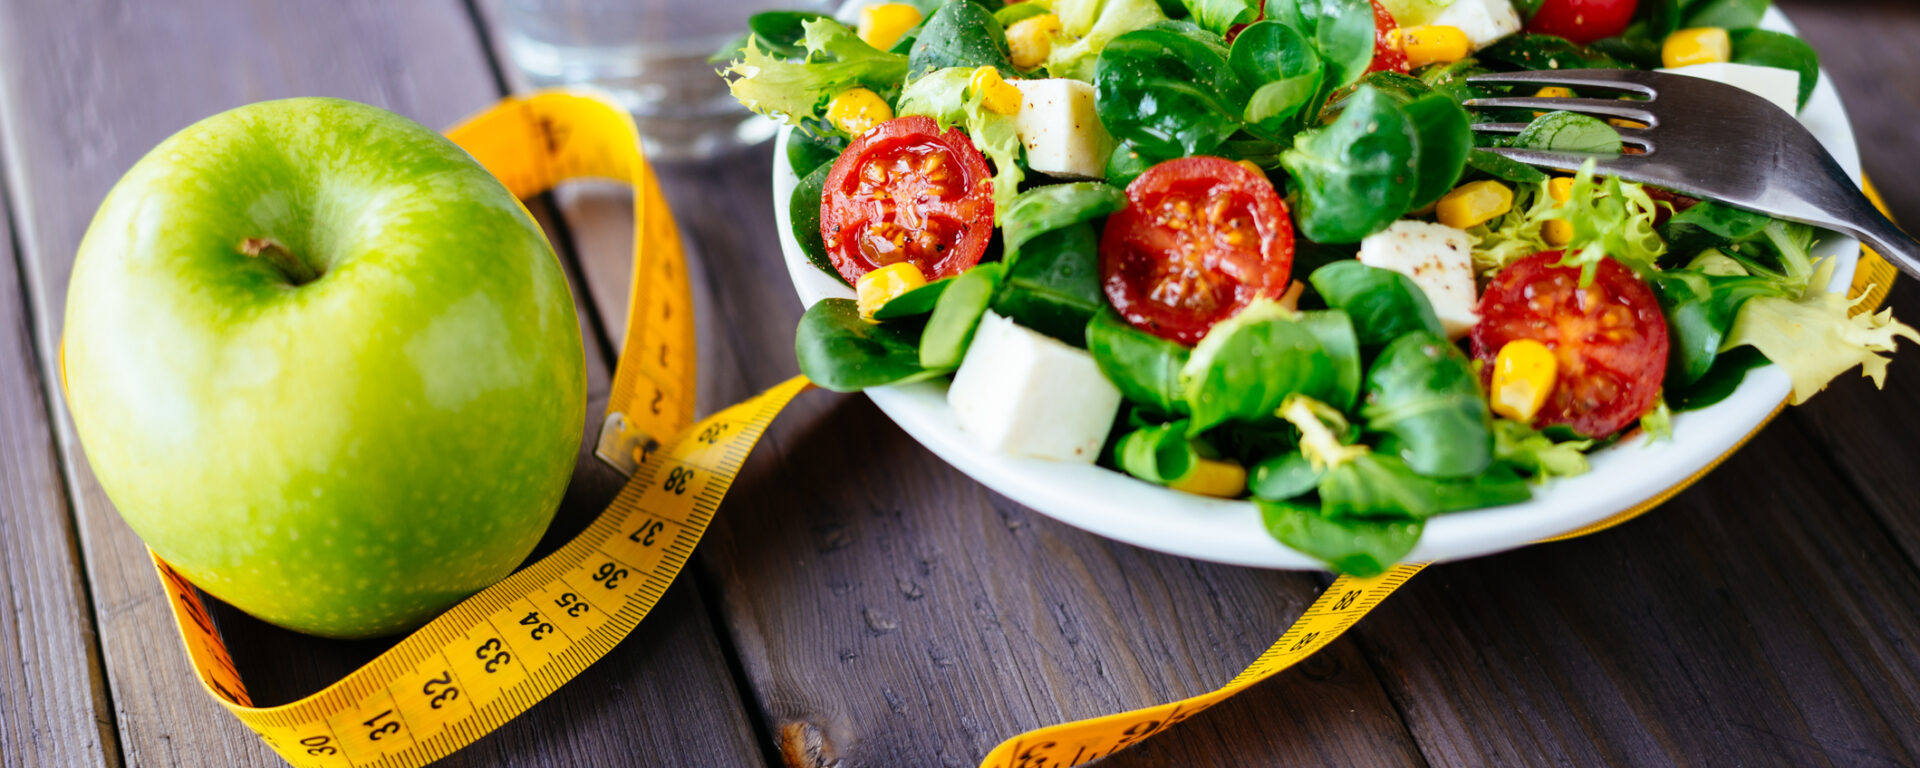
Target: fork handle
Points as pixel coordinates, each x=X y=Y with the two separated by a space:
x=1886 y=238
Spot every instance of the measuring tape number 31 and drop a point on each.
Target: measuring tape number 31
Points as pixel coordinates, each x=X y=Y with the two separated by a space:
x=501 y=651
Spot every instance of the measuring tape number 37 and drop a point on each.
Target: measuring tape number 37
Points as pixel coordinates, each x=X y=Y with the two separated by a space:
x=501 y=651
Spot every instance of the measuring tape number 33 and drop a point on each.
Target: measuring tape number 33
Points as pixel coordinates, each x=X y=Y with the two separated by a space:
x=501 y=651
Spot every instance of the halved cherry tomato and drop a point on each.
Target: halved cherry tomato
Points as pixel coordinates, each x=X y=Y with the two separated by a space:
x=1389 y=54
x=1583 y=21
x=904 y=191
x=1609 y=337
x=1199 y=239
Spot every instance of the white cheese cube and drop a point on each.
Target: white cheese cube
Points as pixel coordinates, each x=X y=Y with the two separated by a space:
x=1780 y=86
x=1439 y=259
x=1483 y=21
x=1024 y=393
x=1061 y=130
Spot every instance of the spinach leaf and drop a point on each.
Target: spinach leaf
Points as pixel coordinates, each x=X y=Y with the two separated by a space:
x=1144 y=367
x=1357 y=175
x=1534 y=51
x=839 y=351
x=807 y=150
x=1356 y=547
x=1018 y=12
x=1127 y=163
x=1052 y=284
x=1169 y=90
x=1055 y=206
x=1711 y=225
x=781 y=32
x=1285 y=71
x=1160 y=454
x=1334 y=330
x=1445 y=140
x=1732 y=14
x=1385 y=487
x=1767 y=48
x=1700 y=310
x=918 y=301
x=1341 y=30
x=1218 y=16
x=956 y=315
x=1425 y=393
x=1720 y=382
x=1286 y=476
x=803 y=213
x=1503 y=168
x=1640 y=44
x=961 y=33
x=1383 y=304
x=1249 y=363
x=1570 y=132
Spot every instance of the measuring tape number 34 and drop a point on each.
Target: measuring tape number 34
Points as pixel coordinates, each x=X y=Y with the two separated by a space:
x=501 y=651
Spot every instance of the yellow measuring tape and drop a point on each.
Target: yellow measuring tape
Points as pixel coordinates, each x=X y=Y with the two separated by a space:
x=503 y=650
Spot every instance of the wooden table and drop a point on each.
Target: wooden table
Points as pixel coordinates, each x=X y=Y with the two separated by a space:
x=859 y=603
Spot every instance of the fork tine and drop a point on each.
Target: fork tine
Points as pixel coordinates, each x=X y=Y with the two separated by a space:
x=1633 y=137
x=1636 y=168
x=1619 y=79
x=1631 y=110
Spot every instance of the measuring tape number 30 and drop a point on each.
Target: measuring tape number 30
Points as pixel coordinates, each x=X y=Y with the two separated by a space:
x=501 y=651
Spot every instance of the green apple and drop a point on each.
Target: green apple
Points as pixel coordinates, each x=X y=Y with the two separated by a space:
x=325 y=365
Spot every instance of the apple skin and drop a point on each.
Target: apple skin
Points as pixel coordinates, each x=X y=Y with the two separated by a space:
x=351 y=456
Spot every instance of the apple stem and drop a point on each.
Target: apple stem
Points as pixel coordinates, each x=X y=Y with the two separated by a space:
x=297 y=271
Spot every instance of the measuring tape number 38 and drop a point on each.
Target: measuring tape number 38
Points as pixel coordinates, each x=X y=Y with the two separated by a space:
x=501 y=651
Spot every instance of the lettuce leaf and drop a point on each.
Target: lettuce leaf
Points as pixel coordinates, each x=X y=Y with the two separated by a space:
x=794 y=91
x=1610 y=217
x=1530 y=451
x=943 y=95
x=1818 y=336
x=1088 y=25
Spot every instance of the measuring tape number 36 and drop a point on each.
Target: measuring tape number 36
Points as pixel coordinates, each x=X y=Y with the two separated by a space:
x=501 y=651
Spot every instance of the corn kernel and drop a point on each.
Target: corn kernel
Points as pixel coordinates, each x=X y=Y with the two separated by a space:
x=857 y=109
x=1523 y=376
x=885 y=284
x=1437 y=44
x=995 y=92
x=1030 y=40
x=1700 y=45
x=1213 y=477
x=882 y=25
x=1558 y=232
x=1472 y=205
x=1552 y=92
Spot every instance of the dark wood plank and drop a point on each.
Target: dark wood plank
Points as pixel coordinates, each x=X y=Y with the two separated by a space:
x=53 y=695
x=1869 y=434
x=889 y=611
x=87 y=88
x=1758 y=618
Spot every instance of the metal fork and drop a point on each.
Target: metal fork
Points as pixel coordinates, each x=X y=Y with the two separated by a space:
x=1713 y=141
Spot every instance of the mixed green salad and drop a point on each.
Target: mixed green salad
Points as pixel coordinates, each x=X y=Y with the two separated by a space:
x=1254 y=250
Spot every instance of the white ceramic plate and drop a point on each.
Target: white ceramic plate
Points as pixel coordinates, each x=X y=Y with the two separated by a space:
x=1120 y=507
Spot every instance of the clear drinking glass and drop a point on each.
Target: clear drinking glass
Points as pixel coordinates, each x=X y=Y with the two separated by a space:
x=652 y=55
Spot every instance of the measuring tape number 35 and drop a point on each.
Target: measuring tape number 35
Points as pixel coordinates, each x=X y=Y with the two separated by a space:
x=501 y=651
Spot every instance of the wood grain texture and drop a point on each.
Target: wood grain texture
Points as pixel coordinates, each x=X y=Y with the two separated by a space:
x=53 y=695
x=87 y=88
x=1869 y=46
